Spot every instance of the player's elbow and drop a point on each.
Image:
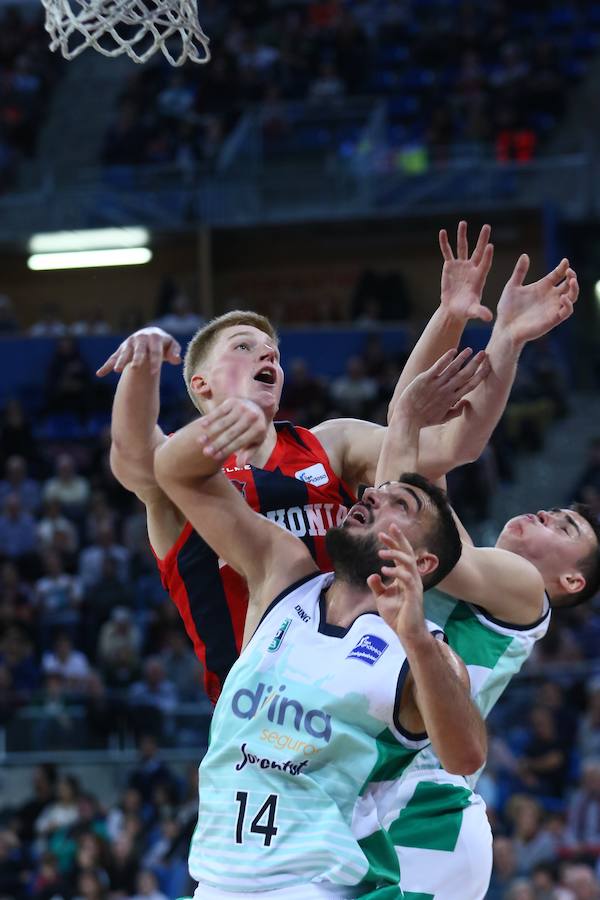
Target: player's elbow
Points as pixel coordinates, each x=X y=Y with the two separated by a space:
x=466 y=759
x=165 y=466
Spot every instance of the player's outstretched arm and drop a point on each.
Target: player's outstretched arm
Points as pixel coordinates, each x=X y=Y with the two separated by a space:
x=355 y=447
x=433 y=397
x=436 y=697
x=463 y=281
x=508 y=586
x=134 y=427
x=525 y=313
x=267 y=556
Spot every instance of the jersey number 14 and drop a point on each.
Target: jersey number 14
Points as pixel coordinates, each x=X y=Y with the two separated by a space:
x=267 y=810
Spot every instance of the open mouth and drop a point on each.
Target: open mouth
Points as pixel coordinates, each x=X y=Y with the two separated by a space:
x=360 y=514
x=265 y=376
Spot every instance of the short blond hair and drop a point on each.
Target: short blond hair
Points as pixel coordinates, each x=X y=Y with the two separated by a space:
x=203 y=341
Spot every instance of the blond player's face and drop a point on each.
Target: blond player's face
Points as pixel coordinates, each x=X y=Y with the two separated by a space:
x=244 y=362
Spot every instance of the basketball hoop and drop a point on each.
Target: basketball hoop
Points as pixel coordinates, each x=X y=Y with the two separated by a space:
x=137 y=28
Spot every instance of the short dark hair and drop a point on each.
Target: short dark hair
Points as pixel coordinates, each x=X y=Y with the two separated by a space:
x=442 y=537
x=589 y=565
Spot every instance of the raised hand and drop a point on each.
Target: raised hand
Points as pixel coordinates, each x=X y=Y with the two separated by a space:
x=436 y=396
x=151 y=344
x=464 y=277
x=234 y=426
x=529 y=311
x=399 y=601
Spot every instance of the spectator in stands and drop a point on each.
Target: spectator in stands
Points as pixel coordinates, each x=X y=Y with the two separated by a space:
x=179 y=318
x=533 y=843
x=353 y=391
x=588 y=741
x=100 y=514
x=69 y=380
x=15 y=606
x=581 y=881
x=64 y=812
x=68 y=663
x=582 y=835
x=43 y=787
x=328 y=85
x=17 y=481
x=17 y=655
x=48 y=881
x=587 y=488
x=544 y=765
x=150 y=771
x=18 y=538
x=94 y=323
x=16 y=438
x=119 y=637
x=91 y=560
x=153 y=700
x=305 y=396
x=68 y=487
x=147 y=887
x=51 y=324
x=8 y=321
x=181 y=666
x=504 y=869
x=58 y=597
x=91 y=886
x=52 y=525
x=13 y=861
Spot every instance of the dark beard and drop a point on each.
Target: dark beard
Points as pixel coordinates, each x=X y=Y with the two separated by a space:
x=354 y=556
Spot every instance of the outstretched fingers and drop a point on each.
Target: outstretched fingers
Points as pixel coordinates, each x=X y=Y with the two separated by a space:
x=520 y=270
x=483 y=246
x=445 y=246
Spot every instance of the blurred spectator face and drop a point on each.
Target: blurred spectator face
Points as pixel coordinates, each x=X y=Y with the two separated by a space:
x=66 y=791
x=16 y=469
x=521 y=890
x=526 y=816
x=53 y=564
x=9 y=579
x=12 y=507
x=504 y=857
x=581 y=881
x=65 y=467
x=148 y=746
x=154 y=672
x=147 y=883
x=542 y=723
x=105 y=535
x=132 y=801
x=63 y=647
x=555 y=541
x=52 y=509
x=591 y=776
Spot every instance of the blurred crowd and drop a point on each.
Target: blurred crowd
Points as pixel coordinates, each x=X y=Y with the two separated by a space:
x=28 y=73
x=497 y=88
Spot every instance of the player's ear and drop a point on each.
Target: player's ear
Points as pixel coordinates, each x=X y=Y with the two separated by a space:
x=200 y=387
x=426 y=563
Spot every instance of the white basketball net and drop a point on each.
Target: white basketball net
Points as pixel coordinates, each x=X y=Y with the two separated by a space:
x=136 y=27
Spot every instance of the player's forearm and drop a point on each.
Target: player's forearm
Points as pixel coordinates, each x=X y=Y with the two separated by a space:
x=136 y=406
x=399 y=451
x=463 y=439
x=442 y=332
x=180 y=459
x=453 y=723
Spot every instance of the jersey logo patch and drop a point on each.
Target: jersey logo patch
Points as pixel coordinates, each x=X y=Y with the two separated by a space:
x=279 y=636
x=315 y=475
x=369 y=649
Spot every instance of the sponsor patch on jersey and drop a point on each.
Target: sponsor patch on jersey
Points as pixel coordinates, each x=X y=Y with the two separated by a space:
x=315 y=475
x=369 y=649
x=279 y=636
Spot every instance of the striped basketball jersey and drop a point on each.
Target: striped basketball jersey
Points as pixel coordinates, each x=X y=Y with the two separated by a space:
x=307 y=718
x=297 y=489
x=435 y=821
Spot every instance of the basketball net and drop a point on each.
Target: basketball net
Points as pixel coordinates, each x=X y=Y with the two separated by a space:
x=137 y=28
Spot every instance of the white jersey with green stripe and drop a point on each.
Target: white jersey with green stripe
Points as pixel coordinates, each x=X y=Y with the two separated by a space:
x=307 y=718
x=437 y=824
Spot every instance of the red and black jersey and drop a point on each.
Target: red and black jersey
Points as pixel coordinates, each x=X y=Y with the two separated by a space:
x=299 y=491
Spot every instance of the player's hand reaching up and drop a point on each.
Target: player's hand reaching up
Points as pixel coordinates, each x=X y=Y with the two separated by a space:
x=234 y=426
x=152 y=345
x=464 y=276
x=436 y=396
x=529 y=311
x=400 y=596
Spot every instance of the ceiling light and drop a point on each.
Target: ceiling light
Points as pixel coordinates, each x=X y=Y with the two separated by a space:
x=88 y=259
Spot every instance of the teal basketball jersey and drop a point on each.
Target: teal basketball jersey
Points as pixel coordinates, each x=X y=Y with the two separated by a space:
x=307 y=715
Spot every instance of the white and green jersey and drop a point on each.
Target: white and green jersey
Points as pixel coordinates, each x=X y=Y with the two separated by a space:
x=436 y=823
x=306 y=721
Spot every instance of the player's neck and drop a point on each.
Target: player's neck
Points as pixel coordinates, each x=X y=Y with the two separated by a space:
x=260 y=455
x=345 y=601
